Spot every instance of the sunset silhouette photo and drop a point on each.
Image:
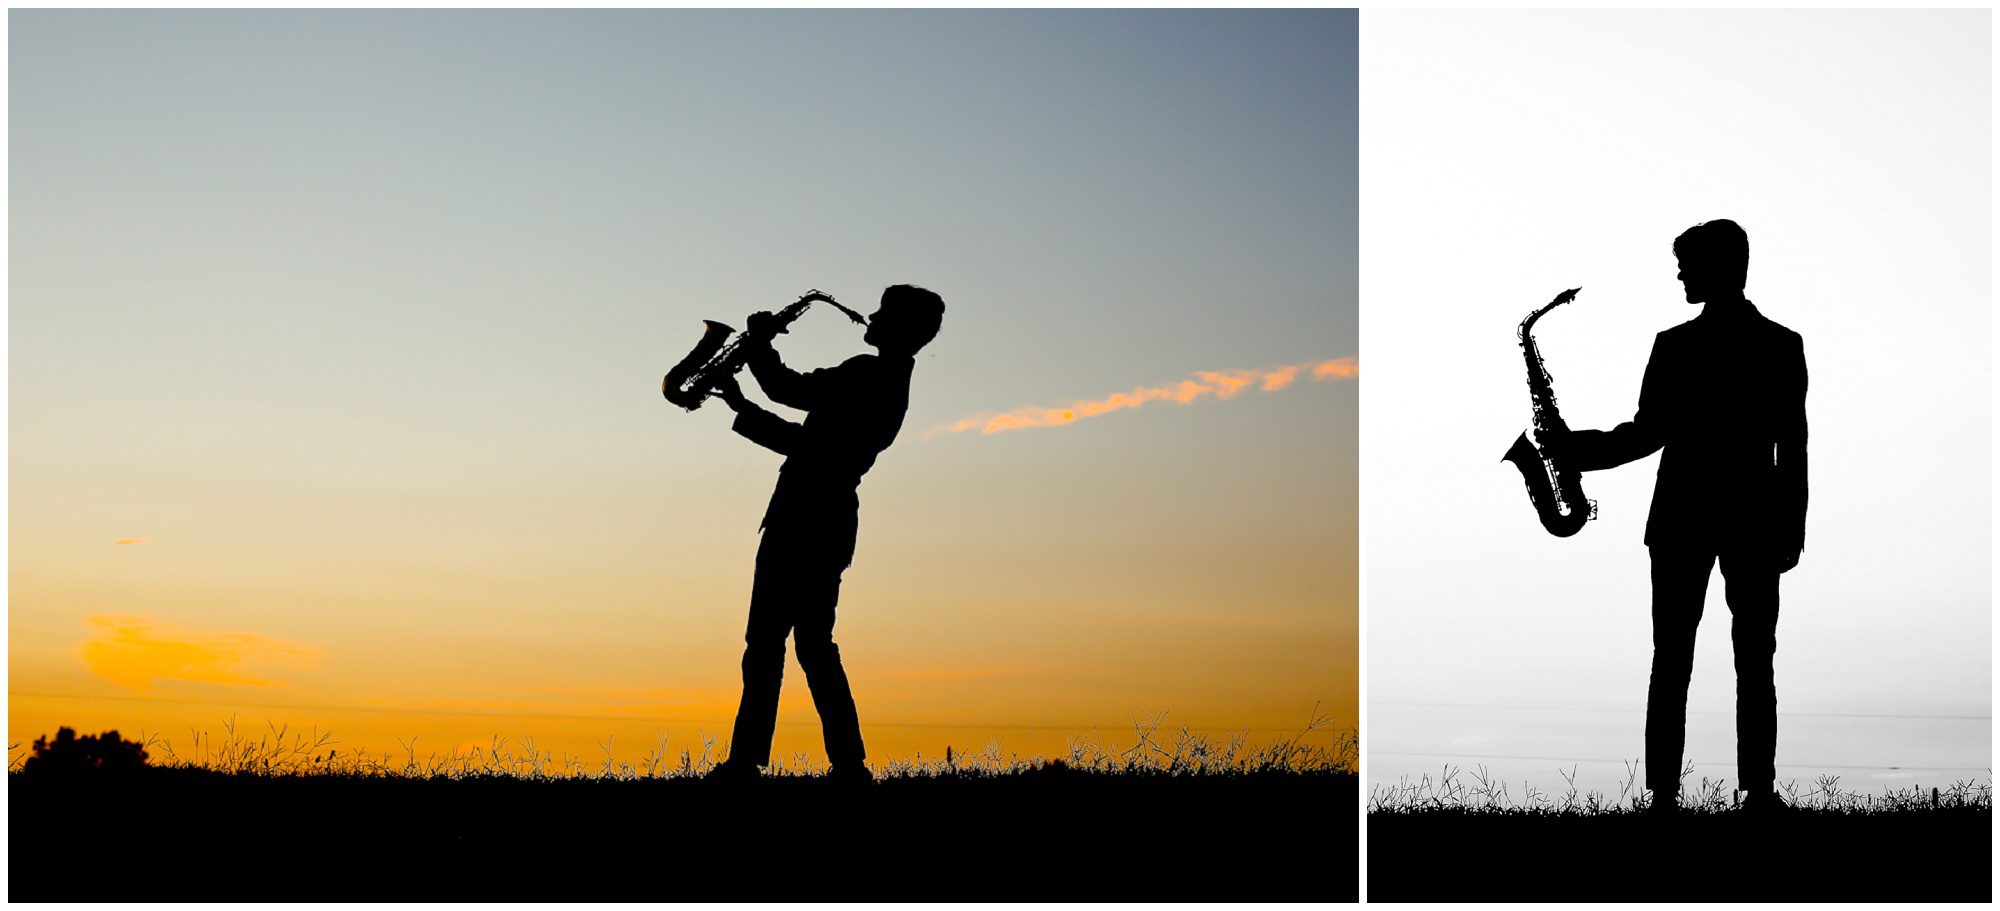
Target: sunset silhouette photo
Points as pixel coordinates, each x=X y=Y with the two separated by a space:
x=416 y=465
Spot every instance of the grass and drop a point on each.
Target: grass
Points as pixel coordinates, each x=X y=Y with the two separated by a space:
x=1834 y=844
x=1456 y=791
x=281 y=751
x=283 y=814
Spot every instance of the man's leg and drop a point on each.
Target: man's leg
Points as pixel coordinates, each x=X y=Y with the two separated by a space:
x=1680 y=584
x=1750 y=584
x=771 y=602
x=820 y=659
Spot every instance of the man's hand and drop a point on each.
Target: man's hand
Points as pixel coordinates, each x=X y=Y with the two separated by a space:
x=730 y=393
x=1787 y=559
x=765 y=326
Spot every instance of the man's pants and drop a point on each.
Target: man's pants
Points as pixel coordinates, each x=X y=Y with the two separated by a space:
x=1680 y=584
x=797 y=586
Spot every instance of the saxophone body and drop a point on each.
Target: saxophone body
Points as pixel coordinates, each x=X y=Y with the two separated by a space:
x=717 y=356
x=1555 y=490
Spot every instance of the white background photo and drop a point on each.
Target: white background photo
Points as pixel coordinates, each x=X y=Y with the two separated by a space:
x=1510 y=155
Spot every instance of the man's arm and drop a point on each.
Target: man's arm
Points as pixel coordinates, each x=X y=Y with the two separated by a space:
x=1592 y=450
x=757 y=425
x=783 y=384
x=1790 y=459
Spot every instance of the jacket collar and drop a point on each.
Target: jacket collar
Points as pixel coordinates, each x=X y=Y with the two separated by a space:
x=1730 y=312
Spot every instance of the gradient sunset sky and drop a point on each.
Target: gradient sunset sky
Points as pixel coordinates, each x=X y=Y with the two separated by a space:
x=336 y=340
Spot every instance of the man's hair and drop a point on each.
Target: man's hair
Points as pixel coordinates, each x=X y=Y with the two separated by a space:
x=1720 y=245
x=922 y=308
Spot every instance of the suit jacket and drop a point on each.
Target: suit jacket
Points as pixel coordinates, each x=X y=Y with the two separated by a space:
x=853 y=412
x=1725 y=397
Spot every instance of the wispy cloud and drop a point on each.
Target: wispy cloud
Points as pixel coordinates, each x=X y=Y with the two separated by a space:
x=137 y=652
x=130 y=541
x=1216 y=384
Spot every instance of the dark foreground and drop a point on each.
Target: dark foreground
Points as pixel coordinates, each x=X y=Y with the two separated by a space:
x=1047 y=834
x=1447 y=855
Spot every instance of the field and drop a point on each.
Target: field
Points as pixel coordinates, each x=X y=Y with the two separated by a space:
x=1463 y=837
x=283 y=818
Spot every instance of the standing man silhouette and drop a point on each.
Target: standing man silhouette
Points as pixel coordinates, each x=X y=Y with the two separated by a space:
x=1725 y=396
x=853 y=412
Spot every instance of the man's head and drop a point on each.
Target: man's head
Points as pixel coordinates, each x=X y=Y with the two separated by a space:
x=1715 y=259
x=907 y=320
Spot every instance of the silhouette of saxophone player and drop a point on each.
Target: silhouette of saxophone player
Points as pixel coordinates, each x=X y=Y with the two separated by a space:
x=1724 y=396
x=853 y=412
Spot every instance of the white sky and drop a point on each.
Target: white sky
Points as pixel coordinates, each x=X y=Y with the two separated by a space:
x=1508 y=156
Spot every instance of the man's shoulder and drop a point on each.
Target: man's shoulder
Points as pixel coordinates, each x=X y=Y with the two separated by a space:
x=875 y=373
x=1778 y=333
x=1784 y=332
x=1675 y=333
x=1756 y=322
x=872 y=362
x=860 y=365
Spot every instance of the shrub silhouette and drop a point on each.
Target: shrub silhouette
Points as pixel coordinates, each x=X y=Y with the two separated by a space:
x=72 y=755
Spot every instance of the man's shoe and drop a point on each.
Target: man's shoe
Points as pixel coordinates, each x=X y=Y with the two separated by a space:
x=1766 y=803
x=727 y=772
x=850 y=774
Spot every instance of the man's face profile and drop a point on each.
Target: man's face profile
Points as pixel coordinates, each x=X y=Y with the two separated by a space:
x=1698 y=282
x=881 y=325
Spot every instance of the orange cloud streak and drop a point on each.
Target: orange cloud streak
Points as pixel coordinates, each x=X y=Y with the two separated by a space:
x=130 y=541
x=1220 y=384
x=137 y=652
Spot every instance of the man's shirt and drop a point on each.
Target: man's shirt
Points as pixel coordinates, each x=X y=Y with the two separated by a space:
x=1725 y=397
x=853 y=412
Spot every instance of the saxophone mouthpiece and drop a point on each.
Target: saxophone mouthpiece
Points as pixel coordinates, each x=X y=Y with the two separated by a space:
x=1566 y=296
x=858 y=319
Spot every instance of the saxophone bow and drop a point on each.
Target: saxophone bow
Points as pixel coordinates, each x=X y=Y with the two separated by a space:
x=1555 y=487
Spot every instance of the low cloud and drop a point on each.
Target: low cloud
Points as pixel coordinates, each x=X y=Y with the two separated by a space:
x=139 y=652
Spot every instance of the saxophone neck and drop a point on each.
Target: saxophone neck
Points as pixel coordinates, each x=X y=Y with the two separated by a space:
x=795 y=309
x=1528 y=323
x=798 y=307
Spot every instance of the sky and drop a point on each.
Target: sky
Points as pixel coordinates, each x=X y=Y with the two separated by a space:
x=335 y=341
x=1510 y=156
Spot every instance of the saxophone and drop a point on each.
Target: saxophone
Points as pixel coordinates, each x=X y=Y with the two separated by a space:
x=691 y=380
x=1556 y=491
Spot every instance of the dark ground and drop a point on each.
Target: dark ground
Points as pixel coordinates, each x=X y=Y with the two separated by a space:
x=1053 y=834
x=1447 y=855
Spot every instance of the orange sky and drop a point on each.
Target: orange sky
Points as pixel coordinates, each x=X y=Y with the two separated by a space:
x=1076 y=629
x=1068 y=602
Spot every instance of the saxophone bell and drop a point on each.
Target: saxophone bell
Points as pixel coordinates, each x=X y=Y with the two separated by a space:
x=1544 y=479
x=675 y=385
